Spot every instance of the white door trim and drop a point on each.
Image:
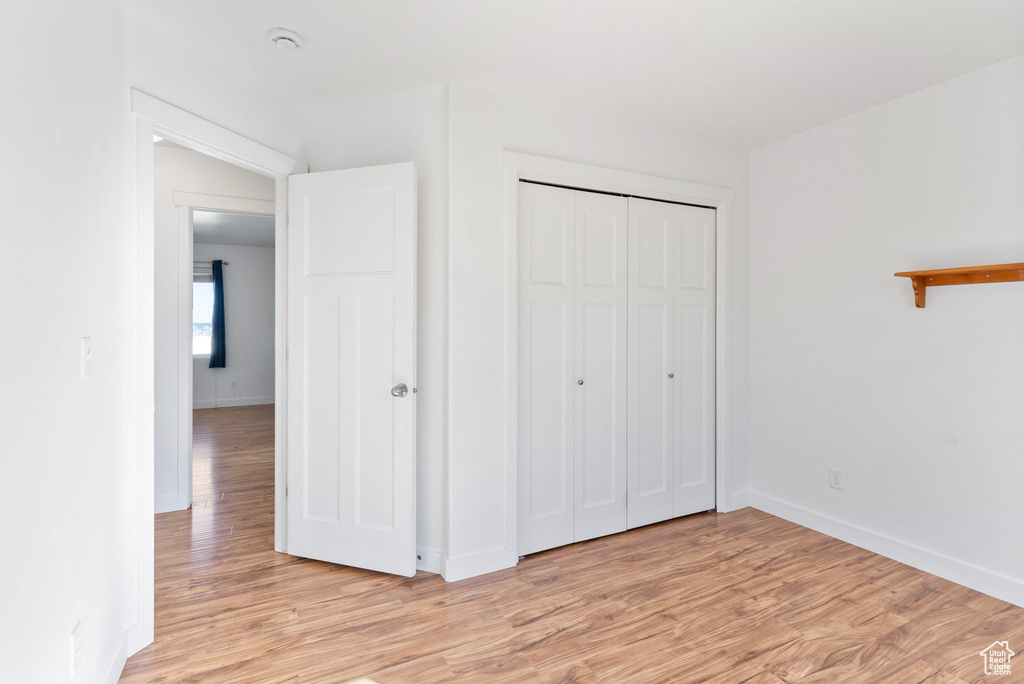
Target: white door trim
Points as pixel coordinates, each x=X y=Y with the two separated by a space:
x=520 y=166
x=238 y=205
x=186 y=202
x=154 y=116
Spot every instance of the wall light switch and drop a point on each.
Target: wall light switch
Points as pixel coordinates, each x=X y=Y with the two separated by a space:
x=86 y=357
x=75 y=646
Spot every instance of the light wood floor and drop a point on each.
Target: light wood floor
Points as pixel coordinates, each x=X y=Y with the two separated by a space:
x=736 y=598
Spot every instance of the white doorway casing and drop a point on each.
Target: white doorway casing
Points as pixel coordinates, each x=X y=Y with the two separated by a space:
x=186 y=202
x=154 y=116
x=519 y=166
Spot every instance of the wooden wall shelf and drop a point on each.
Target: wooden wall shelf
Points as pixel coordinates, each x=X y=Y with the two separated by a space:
x=968 y=275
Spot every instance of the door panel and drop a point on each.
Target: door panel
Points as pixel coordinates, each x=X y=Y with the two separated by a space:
x=653 y=346
x=653 y=227
x=546 y=367
x=321 y=490
x=351 y=339
x=694 y=388
x=691 y=391
x=651 y=340
x=599 y=431
x=369 y=427
x=367 y=245
x=694 y=265
x=600 y=299
x=550 y=332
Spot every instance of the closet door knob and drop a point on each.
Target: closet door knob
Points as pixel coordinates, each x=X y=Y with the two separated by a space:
x=671 y=375
x=580 y=381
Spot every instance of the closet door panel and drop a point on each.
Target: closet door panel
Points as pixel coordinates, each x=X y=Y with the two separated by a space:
x=601 y=363
x=596 y=408
x=696 y=247
x=651 y=352
x=546 y=367
x=548 y=446
x=654 y=419
x=694 y=383
x=691 y=392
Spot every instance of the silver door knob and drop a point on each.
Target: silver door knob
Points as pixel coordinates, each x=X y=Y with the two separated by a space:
x=579 y=382
x=399 y=390
x=671 y=375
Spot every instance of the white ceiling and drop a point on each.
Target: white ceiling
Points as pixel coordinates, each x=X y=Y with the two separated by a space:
x=224 y=228
x=745 y=72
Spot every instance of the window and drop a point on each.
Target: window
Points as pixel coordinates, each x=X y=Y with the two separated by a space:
x=202 y=318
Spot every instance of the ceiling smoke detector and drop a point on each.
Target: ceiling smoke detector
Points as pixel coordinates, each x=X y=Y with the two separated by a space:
x=286 y=39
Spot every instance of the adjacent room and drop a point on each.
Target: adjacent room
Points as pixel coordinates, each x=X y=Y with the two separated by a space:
x=569 y=341
x=214 y=301
x=232 y=368
x=214 y=381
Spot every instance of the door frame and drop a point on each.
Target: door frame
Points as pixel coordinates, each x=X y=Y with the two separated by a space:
x=519 y=166
x=186 y=202
x=157 y=117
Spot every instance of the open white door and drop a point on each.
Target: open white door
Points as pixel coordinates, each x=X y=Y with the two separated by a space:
x=352 y=367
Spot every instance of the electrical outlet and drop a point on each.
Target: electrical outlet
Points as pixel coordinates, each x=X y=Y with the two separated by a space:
x=835 y=478
x=75 y=646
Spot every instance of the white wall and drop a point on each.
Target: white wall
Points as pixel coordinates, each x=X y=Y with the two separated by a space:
x=71 y=444
x=169 y=70
x=177 y=170
x=920 y=408
x=67 y=273
x=249 y=324
x=387 y=130
x=481 y=125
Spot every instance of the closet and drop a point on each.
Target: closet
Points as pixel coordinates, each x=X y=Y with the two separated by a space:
x=616 y=363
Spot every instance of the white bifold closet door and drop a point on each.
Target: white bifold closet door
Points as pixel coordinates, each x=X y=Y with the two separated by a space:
x=572 y=366
x=671 y=368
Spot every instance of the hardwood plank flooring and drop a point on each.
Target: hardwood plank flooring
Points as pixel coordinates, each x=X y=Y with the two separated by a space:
x=734 y=598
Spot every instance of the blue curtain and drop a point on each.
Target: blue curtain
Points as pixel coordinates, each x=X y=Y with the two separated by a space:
x=218 y=345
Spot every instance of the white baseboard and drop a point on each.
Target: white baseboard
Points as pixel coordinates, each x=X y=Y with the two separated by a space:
x=117 y=660
x=428 y=560
x=969 y=575
x=167 y=503
x=137 y=639
x=456 y=569
x=234 y=401
x=737 y=501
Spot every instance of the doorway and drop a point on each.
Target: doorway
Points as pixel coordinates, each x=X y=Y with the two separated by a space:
x=207 y=213
x=350 y=254
x=232 y=369
x=156 y=120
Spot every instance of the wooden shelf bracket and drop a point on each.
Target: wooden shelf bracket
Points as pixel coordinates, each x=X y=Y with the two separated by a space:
x=968 y=275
